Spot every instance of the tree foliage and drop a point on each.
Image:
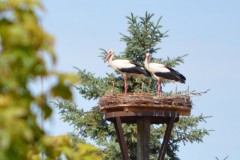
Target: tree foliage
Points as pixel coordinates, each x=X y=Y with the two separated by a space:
x=23 y=46
x=223 y=159
x=144 y=35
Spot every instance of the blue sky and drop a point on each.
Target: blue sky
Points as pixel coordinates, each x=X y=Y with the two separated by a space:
x=208 y=31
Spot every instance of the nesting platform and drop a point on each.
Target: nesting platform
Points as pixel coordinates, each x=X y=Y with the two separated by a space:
x=144 y=109
x=144 y=104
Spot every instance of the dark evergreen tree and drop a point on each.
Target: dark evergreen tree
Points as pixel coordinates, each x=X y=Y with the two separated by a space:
x=144 y=36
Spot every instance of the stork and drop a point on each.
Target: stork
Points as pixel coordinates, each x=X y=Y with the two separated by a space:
x=125 y=67
x=161 y=72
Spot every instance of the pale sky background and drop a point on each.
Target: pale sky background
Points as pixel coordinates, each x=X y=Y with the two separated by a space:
x=206 y=30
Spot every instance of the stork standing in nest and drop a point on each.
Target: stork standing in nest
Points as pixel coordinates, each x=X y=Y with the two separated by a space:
x=126 y=68
x=162 y=72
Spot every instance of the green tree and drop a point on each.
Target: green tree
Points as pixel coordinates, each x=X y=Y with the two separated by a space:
x=23 y=46
x=144 y=36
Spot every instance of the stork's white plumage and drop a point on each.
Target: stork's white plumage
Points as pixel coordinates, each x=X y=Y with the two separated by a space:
x=125 y=67
x=160 y=72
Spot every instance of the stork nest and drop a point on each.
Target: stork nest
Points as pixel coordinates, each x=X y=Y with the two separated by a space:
x=145 y=100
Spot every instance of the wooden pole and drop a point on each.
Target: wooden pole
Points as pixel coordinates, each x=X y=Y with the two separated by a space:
x=166 y=138
x=121 y=140
x=143 y=138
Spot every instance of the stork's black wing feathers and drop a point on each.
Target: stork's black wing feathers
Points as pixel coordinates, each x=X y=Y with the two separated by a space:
x=172 y=75
x=137 y=69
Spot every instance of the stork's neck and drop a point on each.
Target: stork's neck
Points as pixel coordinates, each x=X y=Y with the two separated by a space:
x=146 y=63
x=111 y=59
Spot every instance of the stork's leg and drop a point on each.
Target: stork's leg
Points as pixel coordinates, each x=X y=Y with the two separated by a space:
x=125 y=84
x=159 y=87
x=113 y=85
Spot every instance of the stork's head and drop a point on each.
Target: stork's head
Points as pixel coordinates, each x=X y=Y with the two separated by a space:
x=109 y=55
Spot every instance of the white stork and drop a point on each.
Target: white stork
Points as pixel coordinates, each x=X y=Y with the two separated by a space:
x=160 y=72
x=125 y=67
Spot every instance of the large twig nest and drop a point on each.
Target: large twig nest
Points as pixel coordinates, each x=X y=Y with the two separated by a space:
x=181 y=104
x=145 y=100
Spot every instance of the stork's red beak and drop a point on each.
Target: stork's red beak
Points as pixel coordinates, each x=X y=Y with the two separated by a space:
x=107 y=58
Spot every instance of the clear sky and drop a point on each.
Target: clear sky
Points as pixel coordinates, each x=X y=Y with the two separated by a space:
x=208 y=31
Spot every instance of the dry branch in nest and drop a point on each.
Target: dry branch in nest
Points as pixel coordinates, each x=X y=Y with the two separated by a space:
x=178 y=103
